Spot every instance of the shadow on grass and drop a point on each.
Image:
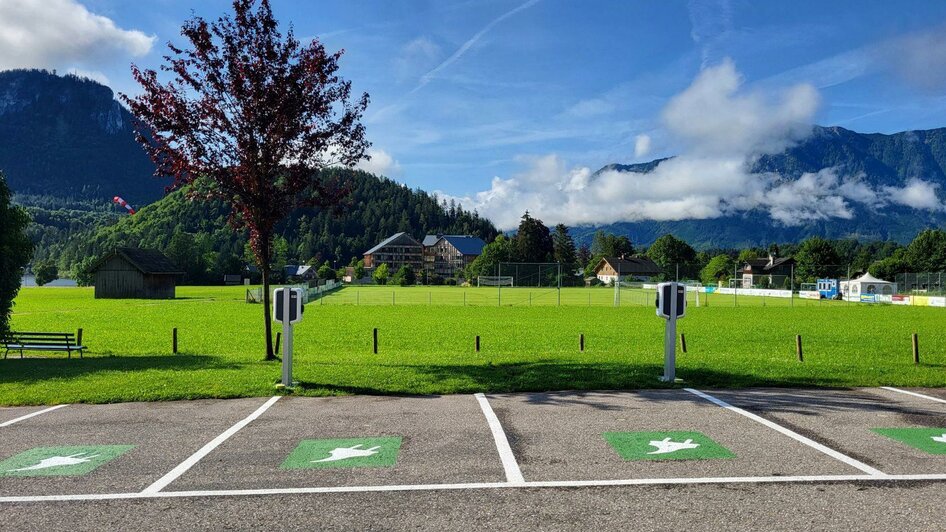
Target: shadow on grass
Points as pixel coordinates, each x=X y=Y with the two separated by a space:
x=552 y=375
x=39 y=369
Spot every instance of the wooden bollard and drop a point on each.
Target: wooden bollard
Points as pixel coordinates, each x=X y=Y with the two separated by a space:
x=801 y=357
x=916 y=349
x=581 y=342
x=174 y=340
x=278 y=338
x=376 y=340
x=79 y=337
x=683 y=342
x=477 y=343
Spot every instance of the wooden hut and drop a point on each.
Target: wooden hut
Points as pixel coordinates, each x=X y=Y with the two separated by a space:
x=131 y=273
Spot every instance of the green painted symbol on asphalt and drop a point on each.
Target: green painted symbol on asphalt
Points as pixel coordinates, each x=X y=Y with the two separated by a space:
x=674 y=445
x=929 y=440
x=344 y=453
x=60 y=461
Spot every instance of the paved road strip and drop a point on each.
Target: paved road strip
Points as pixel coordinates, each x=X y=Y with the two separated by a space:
x=27 y=416
x=192 y=460
x=792 y=434
x=513 y=474
x=914 y=394
x=476 y=486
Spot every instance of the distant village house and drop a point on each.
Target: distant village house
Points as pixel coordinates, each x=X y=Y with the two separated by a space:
x=771 y=271
x=611 y=269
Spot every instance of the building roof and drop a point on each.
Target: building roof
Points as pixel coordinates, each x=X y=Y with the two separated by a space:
x=767 y=263
x=147 y=261
x=430 y=240
x=297 y=271
x=391 y=240
x=465 y=244
x=632 y=265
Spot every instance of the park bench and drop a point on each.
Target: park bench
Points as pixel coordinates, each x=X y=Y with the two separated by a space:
x=41 y=341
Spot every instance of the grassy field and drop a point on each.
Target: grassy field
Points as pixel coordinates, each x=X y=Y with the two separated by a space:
x=427 y=347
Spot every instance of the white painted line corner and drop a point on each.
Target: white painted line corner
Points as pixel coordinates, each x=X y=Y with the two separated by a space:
x=192 y=460
x=27 y=416
x=513 y=474
x=914 y=394
x=792 y=434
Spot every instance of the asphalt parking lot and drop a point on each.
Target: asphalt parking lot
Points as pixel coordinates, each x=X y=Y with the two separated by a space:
x=555 y=460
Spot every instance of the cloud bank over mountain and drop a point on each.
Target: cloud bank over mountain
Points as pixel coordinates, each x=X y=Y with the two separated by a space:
x=725 y=129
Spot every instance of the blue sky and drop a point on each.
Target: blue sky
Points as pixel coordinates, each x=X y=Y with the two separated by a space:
x=465 y=93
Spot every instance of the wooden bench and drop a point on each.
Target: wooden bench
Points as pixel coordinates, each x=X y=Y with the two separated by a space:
x=41 y=341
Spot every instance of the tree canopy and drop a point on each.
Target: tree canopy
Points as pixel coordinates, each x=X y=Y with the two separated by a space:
x=15 y=252
x=253 y=114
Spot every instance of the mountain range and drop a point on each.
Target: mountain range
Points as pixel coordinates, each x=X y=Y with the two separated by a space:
x=65 y=139
x=880 y=162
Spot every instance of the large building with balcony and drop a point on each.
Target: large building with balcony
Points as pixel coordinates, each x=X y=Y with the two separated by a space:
x=447 y=255
x=399 y=249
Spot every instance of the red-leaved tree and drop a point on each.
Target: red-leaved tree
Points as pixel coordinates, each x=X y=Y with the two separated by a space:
x=252 y=116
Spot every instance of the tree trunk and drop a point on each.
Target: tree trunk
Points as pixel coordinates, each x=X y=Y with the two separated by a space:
x=266 y=318
x=264 y=268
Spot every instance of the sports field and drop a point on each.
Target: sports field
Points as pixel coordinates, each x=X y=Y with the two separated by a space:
x=428 y=347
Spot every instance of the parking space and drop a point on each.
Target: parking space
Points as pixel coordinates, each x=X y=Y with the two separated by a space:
x=358 y=443
x=890 y=431
x=647 y=434
x=354 y=441
x=114 y=448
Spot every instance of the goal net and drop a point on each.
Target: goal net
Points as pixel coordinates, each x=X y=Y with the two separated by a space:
x=495 y=280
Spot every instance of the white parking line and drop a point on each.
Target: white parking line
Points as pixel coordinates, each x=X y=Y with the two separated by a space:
x=476 y=486
x=513 y=474
x=192 y=460
x=792 y=434
x=914 y=394
x=27 y=416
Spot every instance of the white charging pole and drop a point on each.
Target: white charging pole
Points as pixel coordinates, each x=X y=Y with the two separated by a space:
x=286 y=338
x=670 y=338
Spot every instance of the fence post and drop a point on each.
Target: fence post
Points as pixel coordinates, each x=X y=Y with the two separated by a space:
x=477 y=343
x=174 y=340
x=376 y=340
x=916 y=349
x=683 y=342
x=798 y=349
x=581 y=342
x=278 y=339
x=79 y=337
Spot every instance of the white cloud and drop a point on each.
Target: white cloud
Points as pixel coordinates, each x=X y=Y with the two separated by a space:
x=641 y=145
x=726 y=130
x=62 y=34
x=715 y=117
x=381 y=164
x=917 y=194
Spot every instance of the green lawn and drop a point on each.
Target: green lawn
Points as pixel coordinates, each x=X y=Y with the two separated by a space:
x=427 y=339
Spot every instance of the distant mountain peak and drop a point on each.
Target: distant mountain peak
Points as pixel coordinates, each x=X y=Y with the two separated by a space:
x=68 y=136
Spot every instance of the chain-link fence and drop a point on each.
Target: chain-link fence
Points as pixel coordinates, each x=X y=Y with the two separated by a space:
x=929 y=283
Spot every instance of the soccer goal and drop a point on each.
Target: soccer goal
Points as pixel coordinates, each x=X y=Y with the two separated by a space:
x=495 y=280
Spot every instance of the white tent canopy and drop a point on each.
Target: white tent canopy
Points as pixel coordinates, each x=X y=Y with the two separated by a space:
x=867 y=284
